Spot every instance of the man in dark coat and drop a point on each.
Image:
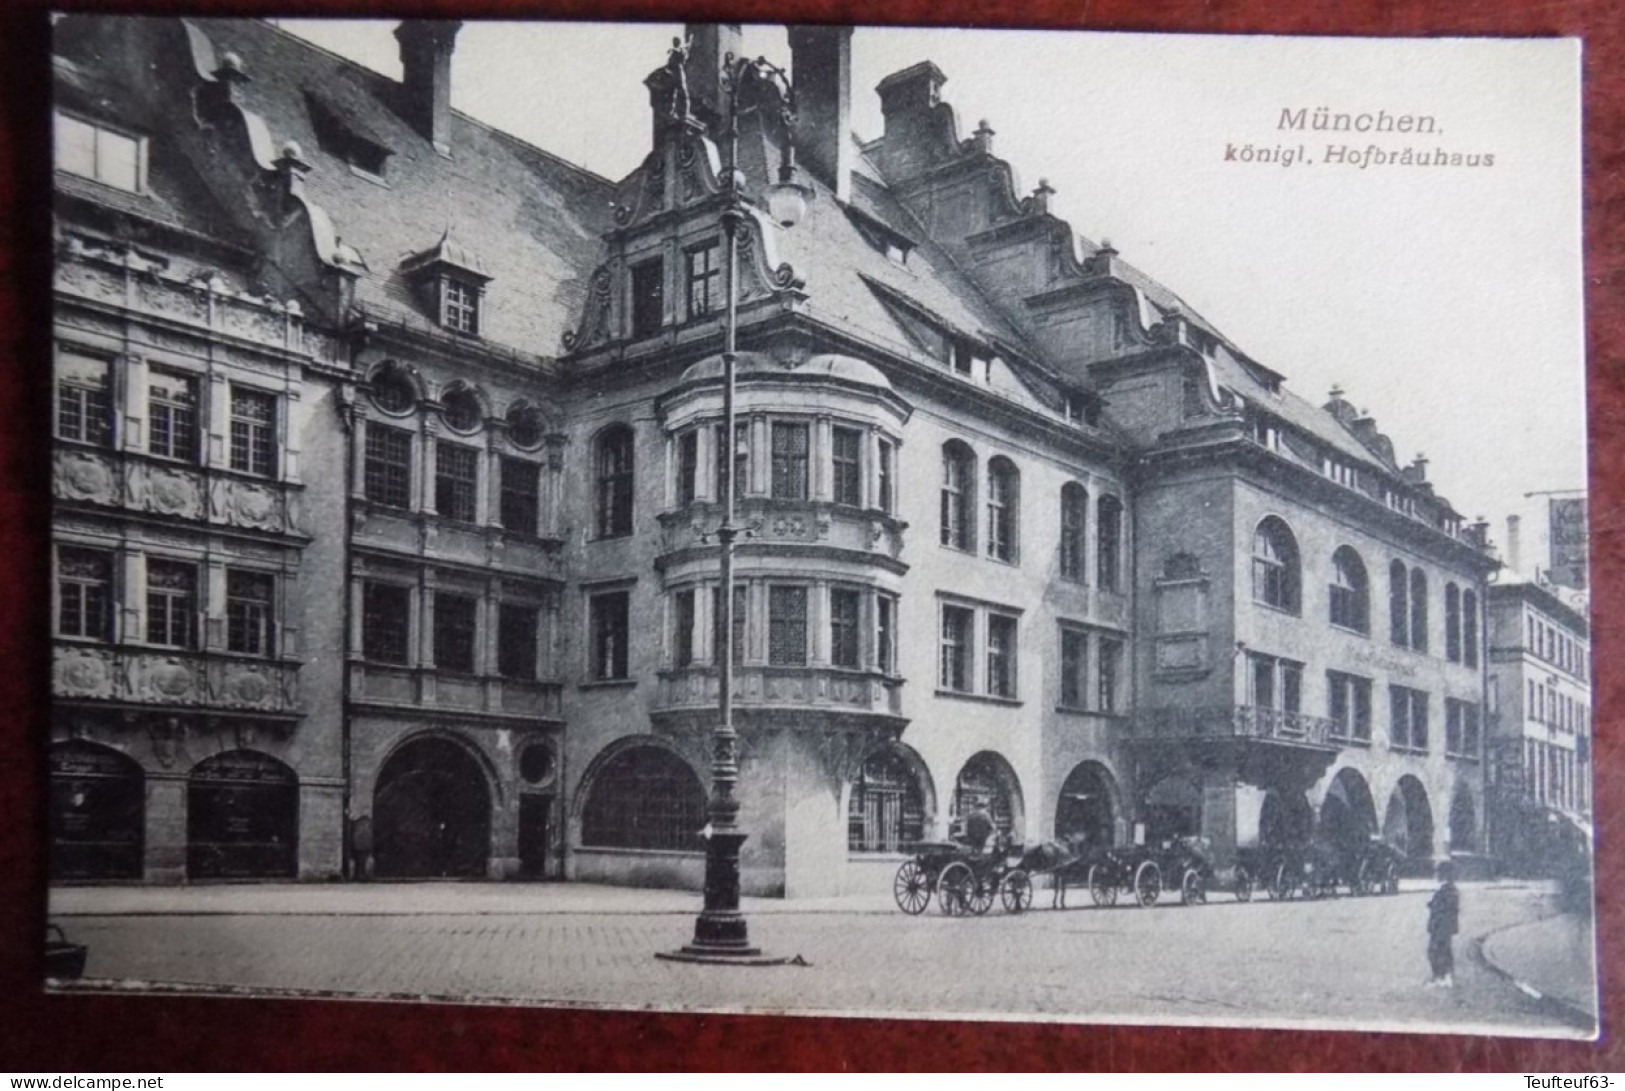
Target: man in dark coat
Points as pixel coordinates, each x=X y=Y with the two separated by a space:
x=1444 y=913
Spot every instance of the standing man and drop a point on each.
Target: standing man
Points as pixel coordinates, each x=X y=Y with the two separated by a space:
x=1444 y=913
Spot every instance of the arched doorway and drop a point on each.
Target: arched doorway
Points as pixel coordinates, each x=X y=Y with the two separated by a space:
x=432 y=814
x=1408 y=824
x=988 y=780
x=1463 y=821
x=1286 y=818
x=1173 y=808
x=98 y=804
x=891 y=800
x=242 y=818
x=1348 y=816
x=1084 y=811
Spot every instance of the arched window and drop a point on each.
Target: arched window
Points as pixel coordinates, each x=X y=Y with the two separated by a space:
x=1109 y=548
x=1350 y=592
x=1469 y=628
x=987 y=781
x=1399 y=605
x=1419 y=610
x=1452 y=623
x=1074 y=530
x=645 y=797
x=614 y=453
x=1003 y=508
x=1275 y=566
x=887 y=809
x=958 y=496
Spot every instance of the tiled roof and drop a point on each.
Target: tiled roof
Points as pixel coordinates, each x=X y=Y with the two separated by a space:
x=534 y=220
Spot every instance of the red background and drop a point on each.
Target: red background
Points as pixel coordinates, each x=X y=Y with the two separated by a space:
x=84 y=1033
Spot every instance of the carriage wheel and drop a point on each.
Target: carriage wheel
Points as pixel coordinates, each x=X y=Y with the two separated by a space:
x=1390 y=878
x=1147 y=883
x=1102 y=887
x=912 y=888
x=953 y=888
x=981 y=893
x=1016 y=892
x=1284 y=886
x=1192 y=890
x=1244 y=885
x=1362 y=880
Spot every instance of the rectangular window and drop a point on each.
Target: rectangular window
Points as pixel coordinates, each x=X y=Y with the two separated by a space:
x=1108 y=547
x=648 y=298
x=845 y=453
x=521 y=496
x=741 y=459
x=84 y=404
x=1001 y=656
x=845 y=609
x=1348 y=705
x=84 y=583
x=1291 y=687
x=249 y=612
x=610 y=625
x=516 y=641
x=789 y=461
x=1263 y=681
x=387 y=467
x=1407 y=718
x=456 y=481
x=787 y=626
x=738 y=624
x=688 y=465
x=460 y=308
x=454 y=632
x=386 y=611
x=172 y=415
x=704 y=280
x=171 y=603
x=253 y=431
x=91 y=151
x=1111 y=664
x=885 y=471
x=885 y=634
x=682 y=627
x=1074 y=667
x=957 y=626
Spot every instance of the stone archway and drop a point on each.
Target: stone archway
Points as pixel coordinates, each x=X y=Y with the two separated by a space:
x=1286 y=818
x=1348 y=815
x=432 y=813
x=98 y=808
x=1087 y=809
x=1407 y=824
x=242 y=818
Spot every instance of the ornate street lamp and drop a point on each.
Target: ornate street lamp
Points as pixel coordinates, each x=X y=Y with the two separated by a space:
x=720 y=932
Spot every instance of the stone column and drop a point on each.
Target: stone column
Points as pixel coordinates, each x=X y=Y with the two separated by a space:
x=165 y=832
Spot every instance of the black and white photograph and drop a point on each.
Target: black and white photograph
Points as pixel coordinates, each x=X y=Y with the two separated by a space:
x=1034 y=526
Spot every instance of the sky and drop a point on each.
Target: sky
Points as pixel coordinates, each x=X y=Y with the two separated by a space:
x=1445 y=300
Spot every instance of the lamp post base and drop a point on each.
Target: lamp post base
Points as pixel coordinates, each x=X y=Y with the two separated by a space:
x=722 y=956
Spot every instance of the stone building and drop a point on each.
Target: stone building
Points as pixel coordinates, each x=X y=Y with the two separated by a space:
x=1540 y=729
x=389 y=466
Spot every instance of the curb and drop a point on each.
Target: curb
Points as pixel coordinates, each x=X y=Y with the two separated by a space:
x=1566 y=1010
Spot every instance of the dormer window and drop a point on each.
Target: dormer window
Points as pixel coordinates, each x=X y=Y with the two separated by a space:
x=341 y=135
x=450 y=280
x=460 y=306
x=100 y=154
x=882 y=238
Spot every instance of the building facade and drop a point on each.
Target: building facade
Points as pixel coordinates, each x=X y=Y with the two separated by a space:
x=390 y=461
x=1540 y=731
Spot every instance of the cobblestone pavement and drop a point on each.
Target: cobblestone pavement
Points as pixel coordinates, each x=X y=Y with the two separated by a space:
x=1343 y=962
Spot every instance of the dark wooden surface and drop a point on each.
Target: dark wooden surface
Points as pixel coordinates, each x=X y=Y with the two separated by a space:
x=83 y=1033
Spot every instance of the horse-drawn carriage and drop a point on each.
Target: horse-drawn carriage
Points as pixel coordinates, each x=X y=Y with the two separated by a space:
x=1317 y=869
x=964 y=880
x=1140 y=872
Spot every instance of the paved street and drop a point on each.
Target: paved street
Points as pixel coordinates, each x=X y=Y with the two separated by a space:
x=1357 y=962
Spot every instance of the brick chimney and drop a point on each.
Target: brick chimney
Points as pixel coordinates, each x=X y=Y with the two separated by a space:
x=821 y=68
x=426 y=48
x=914 y=128
x=709 y=46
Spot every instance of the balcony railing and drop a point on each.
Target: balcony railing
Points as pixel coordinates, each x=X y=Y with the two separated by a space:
x=1233 y=722
x=173 y=677
x=821 y=688
x=786 y=522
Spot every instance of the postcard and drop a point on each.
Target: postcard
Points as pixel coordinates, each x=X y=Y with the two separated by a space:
x=1034 y=526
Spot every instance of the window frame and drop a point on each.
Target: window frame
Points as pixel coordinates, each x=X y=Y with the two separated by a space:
x=1277 y=567
x=460 y=305
x=99 y=130
x=956 y=647
x=646 y=289
x=182 y=422
x=1073 y=560
x=457 y=482
x=517 y=626
x=790 y=478
x=251 y=616
x=456 y=634
x=958 y=497
x=252 y=440
x=386 y=466
x=615 y=463
x=168 y=609
x=846 y=627
x=90 y=408
x=609 y=615
x=708 y=280
x=784 y=624
x=1003 y=510
x=846 y=468
x=1349 y=593
x=519 y=505
x=94 y=598
x=1002 y=658
x=1109 y=510
x=386 y=638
